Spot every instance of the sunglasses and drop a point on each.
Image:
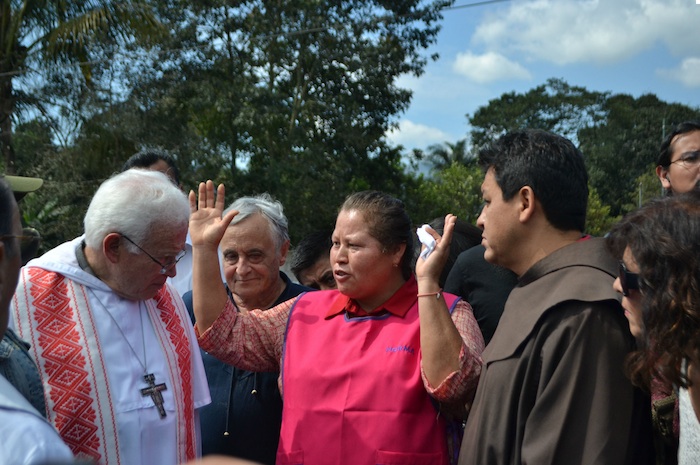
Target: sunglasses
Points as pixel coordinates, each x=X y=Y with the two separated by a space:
x=29 y=242
x=628 y=280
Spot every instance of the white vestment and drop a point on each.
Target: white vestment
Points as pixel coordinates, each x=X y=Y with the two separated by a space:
x=27 y=438
x=125 y=331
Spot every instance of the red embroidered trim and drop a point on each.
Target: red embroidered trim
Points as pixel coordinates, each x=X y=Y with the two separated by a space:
x=178 y=338
x=68 y=379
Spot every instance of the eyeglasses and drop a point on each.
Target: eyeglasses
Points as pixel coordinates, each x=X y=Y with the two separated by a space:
x=688 y=160
x=164 y=268
x=628 y=280
x=29 y=242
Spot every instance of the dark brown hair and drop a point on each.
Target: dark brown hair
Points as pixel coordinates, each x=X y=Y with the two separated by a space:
x=663 y=239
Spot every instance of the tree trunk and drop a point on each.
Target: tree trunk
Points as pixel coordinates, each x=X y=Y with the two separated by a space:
x=7 y=106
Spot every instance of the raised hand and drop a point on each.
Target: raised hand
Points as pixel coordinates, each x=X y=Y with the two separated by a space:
x=207 y=225
x=430 y=268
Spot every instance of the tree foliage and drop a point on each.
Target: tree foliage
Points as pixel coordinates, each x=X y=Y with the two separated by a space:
x=290 y=98
x=442 y=156
x=618 y=134
x=625 y=145
x=455 y=189
x=52 y=37
x=554 y=106
x=598 y=217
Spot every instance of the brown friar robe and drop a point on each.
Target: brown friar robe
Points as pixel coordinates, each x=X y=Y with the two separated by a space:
x=552 y=389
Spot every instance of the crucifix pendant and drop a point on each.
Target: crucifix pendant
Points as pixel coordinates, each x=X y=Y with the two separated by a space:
x=153 y=390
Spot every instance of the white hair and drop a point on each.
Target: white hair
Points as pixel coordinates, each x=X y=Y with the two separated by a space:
x=133 y=203
x=269 y=208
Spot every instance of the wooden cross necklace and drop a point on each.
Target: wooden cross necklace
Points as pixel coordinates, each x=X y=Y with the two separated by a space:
x=153 y=389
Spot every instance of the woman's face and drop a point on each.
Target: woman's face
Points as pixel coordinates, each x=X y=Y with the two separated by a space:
x=360 y=268
x=632 y=302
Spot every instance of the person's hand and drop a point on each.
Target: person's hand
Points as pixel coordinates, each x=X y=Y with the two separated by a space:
x=207 y=226
x=431 y=267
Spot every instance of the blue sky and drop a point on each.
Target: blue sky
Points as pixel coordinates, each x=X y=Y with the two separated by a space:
x=620 y=46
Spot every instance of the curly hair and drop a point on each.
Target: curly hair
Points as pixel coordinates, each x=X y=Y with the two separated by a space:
x=664 y=239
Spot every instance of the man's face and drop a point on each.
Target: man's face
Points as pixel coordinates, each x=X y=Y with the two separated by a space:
x=498 y=219
x=137 y=276
x=9 y=268
x=683 y=174
x=319 y=275
x=252 y=262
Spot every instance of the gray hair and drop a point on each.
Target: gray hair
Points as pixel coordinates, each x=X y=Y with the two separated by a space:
x=133 y=202
x=271 y=209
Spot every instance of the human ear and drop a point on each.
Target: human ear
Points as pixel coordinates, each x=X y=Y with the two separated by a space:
x=110 y=247
x=400 y=252
x=526 y=203
x=283 y=252
x=662 y=174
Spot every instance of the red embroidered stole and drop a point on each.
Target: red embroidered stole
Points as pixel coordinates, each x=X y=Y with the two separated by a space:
x=53 y=314
x=179 y=359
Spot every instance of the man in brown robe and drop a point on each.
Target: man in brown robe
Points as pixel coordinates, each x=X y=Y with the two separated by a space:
x=552 y=390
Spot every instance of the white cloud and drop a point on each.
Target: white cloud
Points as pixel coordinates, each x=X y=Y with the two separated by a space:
x=688 y=72
x=412 y=135
x=488 y=67
x=590 y=31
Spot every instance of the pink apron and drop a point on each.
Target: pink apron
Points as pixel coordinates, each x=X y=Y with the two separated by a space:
x=353 y=392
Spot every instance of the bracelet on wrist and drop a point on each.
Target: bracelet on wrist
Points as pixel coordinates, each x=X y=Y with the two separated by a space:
x=430 y=294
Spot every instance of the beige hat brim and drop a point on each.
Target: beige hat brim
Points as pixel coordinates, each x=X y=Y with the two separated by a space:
x=24 y=184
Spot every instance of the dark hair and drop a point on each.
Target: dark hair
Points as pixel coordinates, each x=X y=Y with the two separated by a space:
x=388 y=222
x=7 y=199
x=465 y=236
x=550 y=165
x=147 y=157
x=666 y=151
x=663 y=239
x=309 y=249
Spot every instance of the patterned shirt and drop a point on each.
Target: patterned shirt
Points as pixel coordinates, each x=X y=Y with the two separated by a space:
x=254 y=340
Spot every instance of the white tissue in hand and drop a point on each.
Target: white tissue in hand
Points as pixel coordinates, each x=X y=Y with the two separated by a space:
x=426 y=239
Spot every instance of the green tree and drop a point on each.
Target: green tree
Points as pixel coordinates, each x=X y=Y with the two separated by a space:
x=618 y=134
x=624 y=145
x=647 y=187
x=52 y=36
x=554 y=106
x=455 y=189
x=598 y=217
x=290 y=98
x=441 y=156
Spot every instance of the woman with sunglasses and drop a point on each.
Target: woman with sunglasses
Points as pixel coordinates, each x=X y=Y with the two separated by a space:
x=659 y=251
